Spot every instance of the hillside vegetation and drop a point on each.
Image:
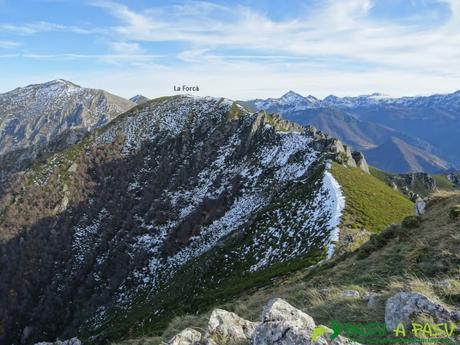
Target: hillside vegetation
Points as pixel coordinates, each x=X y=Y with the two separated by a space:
x=398 y=259
x=302 y=286
x=370 y=203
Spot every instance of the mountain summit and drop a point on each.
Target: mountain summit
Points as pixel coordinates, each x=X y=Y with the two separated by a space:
x=35 y=114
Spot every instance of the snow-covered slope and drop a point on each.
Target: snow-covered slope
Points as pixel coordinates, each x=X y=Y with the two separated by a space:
x=35 y=114
x=180 y=194
x=289 y=102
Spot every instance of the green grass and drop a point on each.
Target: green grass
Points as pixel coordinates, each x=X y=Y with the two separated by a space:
x=380 y=174
x=370 y=202
x=442 y=182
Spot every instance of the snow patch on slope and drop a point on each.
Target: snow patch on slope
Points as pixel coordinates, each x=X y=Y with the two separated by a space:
x=336 y=205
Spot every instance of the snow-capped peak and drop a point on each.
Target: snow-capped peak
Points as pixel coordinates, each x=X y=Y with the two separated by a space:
x=291 y=96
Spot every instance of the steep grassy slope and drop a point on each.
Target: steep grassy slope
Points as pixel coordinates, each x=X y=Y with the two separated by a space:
x=370 y=203
x=398 y=259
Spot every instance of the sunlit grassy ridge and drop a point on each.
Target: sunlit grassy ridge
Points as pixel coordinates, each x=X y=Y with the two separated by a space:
x=370 y=203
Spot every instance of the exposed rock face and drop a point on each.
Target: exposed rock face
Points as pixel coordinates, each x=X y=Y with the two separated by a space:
x=454 y=178
x=405 y=305
x=337 y=150
x=360 y=161
x=455 y=212
x=282 y=324
x=225 y=325
x=414 y=185
x=188 y=336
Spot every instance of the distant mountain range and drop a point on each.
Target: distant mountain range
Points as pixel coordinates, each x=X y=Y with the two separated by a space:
x=404 y=134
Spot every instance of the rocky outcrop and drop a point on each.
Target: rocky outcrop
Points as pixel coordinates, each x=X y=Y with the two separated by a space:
x=360 y=161
x=188 y=336
x=414 y=185
x=403 y=306
x=282 y=324
x=229 y=326
x=337 y=150
x=454 y=178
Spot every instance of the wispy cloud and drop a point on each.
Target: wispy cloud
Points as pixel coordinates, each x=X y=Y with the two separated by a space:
x=340 y=29
x=42 y=26
x=240 y=51
x=9 y=44
x=107 y=58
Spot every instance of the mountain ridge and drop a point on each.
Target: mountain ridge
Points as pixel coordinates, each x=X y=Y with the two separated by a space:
x=175 y=191
x=366 y=122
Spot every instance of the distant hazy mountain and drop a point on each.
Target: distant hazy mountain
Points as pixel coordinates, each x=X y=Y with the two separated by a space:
x=443 y=101
x=429 y=125
x=397 y=156
x=139 y=99
x=35 y=114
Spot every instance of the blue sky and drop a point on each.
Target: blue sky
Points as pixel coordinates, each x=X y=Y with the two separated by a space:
x=238 y=49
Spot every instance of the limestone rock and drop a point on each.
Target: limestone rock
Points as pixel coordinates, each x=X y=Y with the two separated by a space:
x=282 y=324
x=455 y=212
x=229 y=326
x=404 y=305
x=187 y=337
x=360 y=161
